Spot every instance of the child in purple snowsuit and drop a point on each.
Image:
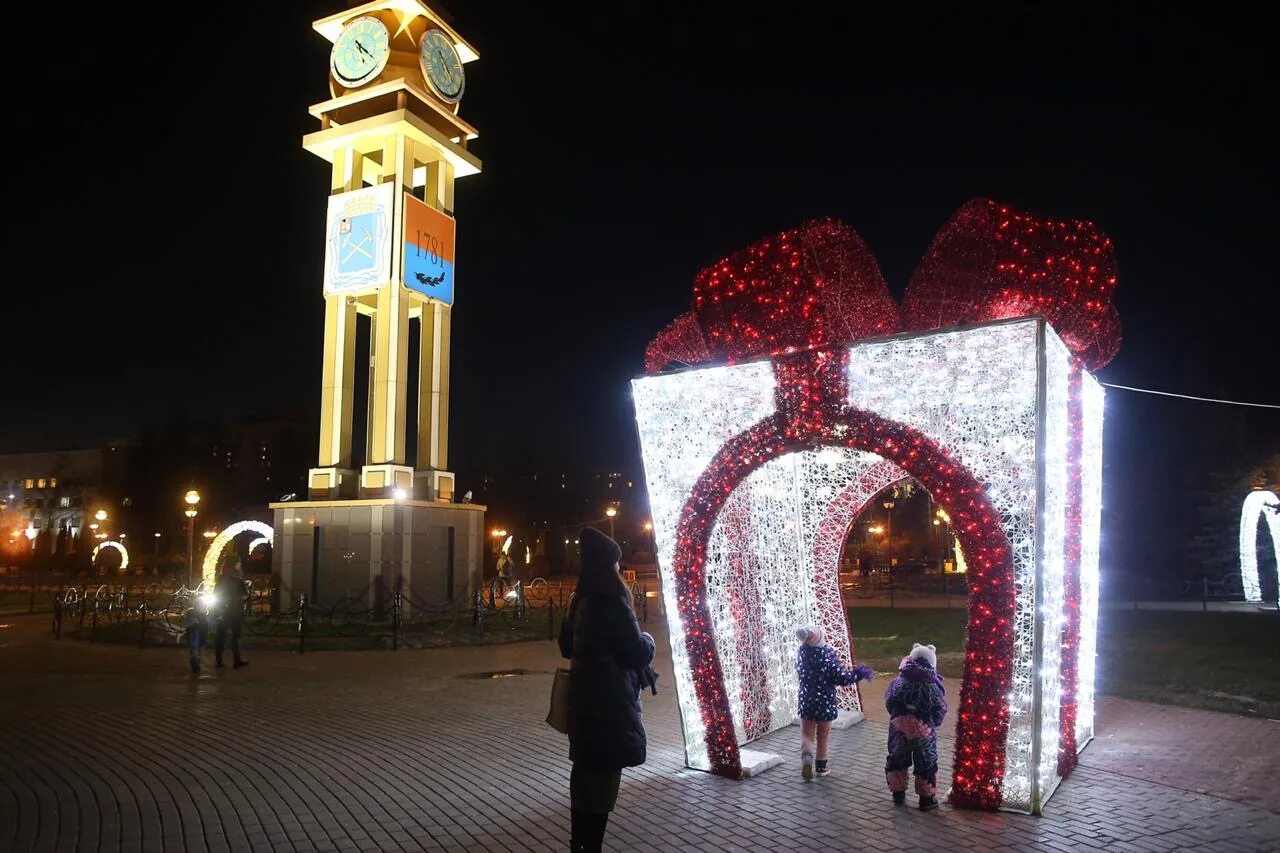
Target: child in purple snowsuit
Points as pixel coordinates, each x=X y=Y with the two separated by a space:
x=917 y=704
x=819 y=671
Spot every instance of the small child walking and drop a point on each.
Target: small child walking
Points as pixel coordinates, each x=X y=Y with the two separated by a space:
x=197 y=634
x=917 y=704
x=819 y=671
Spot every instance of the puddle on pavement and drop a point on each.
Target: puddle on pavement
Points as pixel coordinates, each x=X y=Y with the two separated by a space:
x=495 y=674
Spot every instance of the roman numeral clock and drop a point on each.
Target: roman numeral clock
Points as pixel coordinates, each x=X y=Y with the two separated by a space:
x=392 y=132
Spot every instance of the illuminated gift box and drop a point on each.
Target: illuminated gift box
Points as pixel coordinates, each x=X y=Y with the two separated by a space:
x=756 y=470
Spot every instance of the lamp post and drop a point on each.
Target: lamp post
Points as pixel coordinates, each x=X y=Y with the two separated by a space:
x=155 y=561
x=611 y=513
x=888 y=516
x=191 y=498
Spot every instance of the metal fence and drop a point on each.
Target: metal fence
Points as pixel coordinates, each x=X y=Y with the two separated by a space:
x=499 y=611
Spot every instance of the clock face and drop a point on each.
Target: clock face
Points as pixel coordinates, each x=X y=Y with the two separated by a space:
x=361 y=52
x=441 y=66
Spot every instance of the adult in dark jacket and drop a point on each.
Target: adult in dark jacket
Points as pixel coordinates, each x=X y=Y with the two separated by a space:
x=229 y=590
x=610 y=659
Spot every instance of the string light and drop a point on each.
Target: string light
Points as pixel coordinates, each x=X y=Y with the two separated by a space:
x=1090 y=538
x=1258 y=503
x=991 y=262
x=209 y=568
x=111 y=543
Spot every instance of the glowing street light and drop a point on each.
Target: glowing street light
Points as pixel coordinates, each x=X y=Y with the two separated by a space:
x=101 y=515
x=611 y=512
x=192 y=497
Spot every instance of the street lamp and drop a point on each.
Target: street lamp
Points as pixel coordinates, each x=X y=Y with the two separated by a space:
x=191 y=498
x=611 y=513
x=888 y=515
x=101 y=515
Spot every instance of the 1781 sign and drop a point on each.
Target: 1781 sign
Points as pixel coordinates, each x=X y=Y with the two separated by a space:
x=428 y=250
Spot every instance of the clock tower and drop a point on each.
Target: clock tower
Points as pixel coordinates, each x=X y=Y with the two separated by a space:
x=392 y=133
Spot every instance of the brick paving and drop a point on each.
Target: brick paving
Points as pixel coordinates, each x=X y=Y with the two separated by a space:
x=112 y=748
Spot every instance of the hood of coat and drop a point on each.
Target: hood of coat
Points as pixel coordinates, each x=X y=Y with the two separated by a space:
x=918 y=670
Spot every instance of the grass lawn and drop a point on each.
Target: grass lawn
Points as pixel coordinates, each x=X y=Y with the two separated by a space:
x=1218 y=661
x=882 y=636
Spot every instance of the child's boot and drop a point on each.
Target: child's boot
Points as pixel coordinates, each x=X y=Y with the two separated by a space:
x=822 y=768
x=806 y=765
x=928 y=804
x=899 y=798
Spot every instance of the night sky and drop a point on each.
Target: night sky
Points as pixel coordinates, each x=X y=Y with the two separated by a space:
x=168 y=224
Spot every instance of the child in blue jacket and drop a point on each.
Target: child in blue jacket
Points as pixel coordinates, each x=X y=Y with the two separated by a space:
x=819 y=671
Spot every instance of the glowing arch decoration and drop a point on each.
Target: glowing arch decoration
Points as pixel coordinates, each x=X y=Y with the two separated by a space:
x=209 y=569
x=111 y=543
x=1265 y=504
x=755 y=471
x=258 y=543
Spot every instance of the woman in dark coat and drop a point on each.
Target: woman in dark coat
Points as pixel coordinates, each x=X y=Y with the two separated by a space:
x=610 y=660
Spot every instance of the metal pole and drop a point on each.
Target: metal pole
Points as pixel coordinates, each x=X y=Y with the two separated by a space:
x=395 y=623
x=191 y=546
x=302 y=623
x=1204 y=594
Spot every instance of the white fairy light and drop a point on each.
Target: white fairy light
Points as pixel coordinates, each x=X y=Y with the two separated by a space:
x=974 y=392
x=1092 y=396
x=1052 y=562
x=209 y=568
x=1259 y=502
x=111 y=543
x=683 y=420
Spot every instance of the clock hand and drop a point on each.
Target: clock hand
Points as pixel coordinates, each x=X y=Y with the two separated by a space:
x=361 y=48
x=444 y=66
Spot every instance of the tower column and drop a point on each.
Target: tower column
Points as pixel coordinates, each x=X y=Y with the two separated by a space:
x=385 y=469
x=334 y=476
x=433 y=388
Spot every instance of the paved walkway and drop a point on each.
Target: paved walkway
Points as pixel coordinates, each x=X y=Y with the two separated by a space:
x=111 y=748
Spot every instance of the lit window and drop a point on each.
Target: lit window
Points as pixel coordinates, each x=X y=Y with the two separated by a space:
x=64 y=502
x=40 y=483
x=31 y=484
x=53 y=482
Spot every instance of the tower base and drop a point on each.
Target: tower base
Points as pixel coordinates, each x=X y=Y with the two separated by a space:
x=369 y=549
